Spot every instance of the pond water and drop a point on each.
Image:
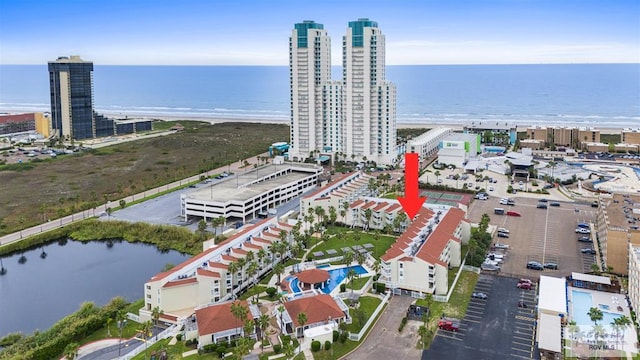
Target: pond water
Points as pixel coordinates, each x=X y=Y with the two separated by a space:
x=37 y=293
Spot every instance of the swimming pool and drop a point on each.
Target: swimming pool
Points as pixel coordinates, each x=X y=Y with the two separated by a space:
x=582 y=302
x=336 y=276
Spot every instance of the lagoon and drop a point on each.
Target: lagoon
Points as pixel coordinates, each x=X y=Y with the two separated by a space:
x=39 y=292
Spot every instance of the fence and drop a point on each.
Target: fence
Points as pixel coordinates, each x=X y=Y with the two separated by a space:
x=168 y=332
x=372 y=318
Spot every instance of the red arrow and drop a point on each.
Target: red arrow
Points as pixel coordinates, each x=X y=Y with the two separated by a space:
x=411 y=202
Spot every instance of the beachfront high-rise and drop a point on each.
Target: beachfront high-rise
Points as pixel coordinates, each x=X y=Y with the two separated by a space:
x=310 y=68
x=71 y=85
x=354 y=118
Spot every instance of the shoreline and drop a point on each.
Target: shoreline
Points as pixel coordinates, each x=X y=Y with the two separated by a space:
x=401 y=124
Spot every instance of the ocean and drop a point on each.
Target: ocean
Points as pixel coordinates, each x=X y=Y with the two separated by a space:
x=603 y=95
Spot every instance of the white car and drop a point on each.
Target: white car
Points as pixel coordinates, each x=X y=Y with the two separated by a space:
x=504 y=201
x=499 y=261
x=497 y=256
x=503 y=230
x=489 y=262
x=501 y=246
x=491 y=188
x=583 y=231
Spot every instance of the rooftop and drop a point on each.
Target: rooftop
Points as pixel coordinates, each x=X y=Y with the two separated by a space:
x=491 y=125
x=313 y=276
x=217 y=318
x=318 y=308
x=620 y=211
x=244 y=186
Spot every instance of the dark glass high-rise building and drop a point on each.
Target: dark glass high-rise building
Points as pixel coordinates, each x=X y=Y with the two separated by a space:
x=71 y=85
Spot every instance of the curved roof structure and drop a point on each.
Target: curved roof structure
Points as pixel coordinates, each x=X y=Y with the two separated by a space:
x=313 y=276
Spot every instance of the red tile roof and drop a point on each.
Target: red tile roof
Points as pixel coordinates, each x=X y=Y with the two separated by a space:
x=257 y=239
x=284 y=225
x=198 y=258
x=438 y=240
x=356 y=203
x=217 y=318
x=218 y=265
x=252 y=246
x=405 y=239
x=239 y=251
x=168 y=317
x=229 y=258
x=187 y=281
x=392 y=208
x=326 y=187
x=381 y=206
x=313 y=276
x=318 y=308
x=368 y=205
x=208 y=273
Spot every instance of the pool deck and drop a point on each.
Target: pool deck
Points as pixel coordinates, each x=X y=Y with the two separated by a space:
x=285 y=286
x=618 y=305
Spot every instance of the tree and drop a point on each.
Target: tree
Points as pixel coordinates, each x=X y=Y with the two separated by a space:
x=263 y=324
x=368 y=213
x=437 y=174
x=243 y=347
x=108 y=210
x=71 y=351
x=351 y=275
x=422 y=332
x=278 y=269
x=122 y=203
x=109 y=321
x=595 y=314
x=574 y=329
x=155 y=314
x=377 y=266
x=248 y=327
x=302 y=320
x=145 y=328
x=333 y=214
x=232 y=269
x=202 y=229
x=281 y=310
x=252 y=270
x=239 y=312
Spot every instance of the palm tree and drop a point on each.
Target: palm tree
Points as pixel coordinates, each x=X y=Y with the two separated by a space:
x=333 y=214
x=367 y=215
x=252 y=270
x=347 y=258
x=302 y=320
x=261 y=255
x=202 y=228
x=239 y=312
x=121 y=316
x=146 y=326
x=278 y=269
x=155 y=314
x=242 y=262
x=574 y=329
x=351 y=275
x=281 y=310
x=437 y=174
x=595 y=315
x=263 y=324
x=232 y=269
x=248 y=327
x=71 y=351
x=377 y=266
x=623 y=322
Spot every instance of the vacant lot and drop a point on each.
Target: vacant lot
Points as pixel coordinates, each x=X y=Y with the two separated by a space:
x=56 y=187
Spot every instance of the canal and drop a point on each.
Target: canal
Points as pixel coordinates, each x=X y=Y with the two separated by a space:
x=39 y=290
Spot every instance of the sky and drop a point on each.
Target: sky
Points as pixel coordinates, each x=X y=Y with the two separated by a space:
x=245 y=32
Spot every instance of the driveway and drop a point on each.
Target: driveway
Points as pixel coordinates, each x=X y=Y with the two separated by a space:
x=384 y=341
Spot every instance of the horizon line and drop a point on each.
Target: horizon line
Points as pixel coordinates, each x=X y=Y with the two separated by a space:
x=436 y=64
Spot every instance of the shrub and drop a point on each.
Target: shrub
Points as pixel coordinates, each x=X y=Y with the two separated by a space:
x=271 y=291
x=210 y=348
x=327 y=345
x=343 y=337
x=286 y=339
x=403 y=322
x=343 y=287
x=336 y=335
x=380 y=287
x=315 y=346
x=188 y=342
x=277 y=348
x=179 y=337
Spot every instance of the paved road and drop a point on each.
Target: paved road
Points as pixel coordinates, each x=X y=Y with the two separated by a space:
x=384 y=341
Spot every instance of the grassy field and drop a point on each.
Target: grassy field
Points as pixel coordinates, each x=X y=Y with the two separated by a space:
x=368 y=304
x=129 y=330
x=358 y=283
x=57 y=187
x=354 y=237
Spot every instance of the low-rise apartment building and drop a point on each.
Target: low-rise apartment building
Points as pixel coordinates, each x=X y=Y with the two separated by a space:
x=634 y=276
x=218 y=273
x=493 y=133
x=419 y=260
x=631 y=136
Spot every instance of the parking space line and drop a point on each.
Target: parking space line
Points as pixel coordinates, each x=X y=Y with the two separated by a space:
x=524 y=351
x=527 y=338
x=520 y=356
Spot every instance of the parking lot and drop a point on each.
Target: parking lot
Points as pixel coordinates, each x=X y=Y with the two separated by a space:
x=495 y=328
x=541 y=235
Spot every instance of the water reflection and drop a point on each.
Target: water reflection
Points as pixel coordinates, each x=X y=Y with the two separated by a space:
x=37 y=290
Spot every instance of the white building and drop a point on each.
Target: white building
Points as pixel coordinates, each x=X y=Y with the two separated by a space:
x=426 y=144
x=310 y=68
x=457 y=149
x=250 y=194
x=634 y=276
x=354 y=117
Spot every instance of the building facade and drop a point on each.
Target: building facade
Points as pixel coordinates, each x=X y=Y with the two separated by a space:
x=631 y=136
x=209 y=277
x=426 y=144
x=634 y=276
x=18 y=123
x=616 y=229
x=458 y=149
x=354 y=117
x=493 y=133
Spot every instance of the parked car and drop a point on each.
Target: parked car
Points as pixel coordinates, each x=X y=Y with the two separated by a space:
x=504 y=201
x=534 y=265
x=524 y=286
x=588 y=251
x=449 y=324
x=513 y=213
x=594 y=204
x=511 y=202
x=543 y=200
x=479 y=295
x=585 y=239
x=579 y=230
x=524 y=281
x=584 y=225
x=541 y=206
x=503 y=235
x=501 y=246
x=491 y=188
x=551 y=266
x=490 y=262
x=554 y=203
x=503 y=230
x=522 y=304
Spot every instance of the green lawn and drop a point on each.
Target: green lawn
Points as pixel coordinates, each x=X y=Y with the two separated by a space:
x=381 y=244
x=253 y=290
x=457 y=305
x=128 y=331
x=358 y=283
x=368 y=304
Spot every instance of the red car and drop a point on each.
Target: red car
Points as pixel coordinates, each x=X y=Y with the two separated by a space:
x=513 y=213
x=524 y=286
x=449 y=324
